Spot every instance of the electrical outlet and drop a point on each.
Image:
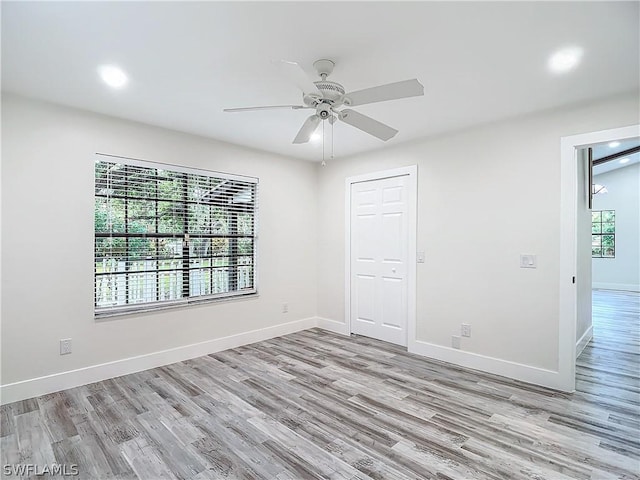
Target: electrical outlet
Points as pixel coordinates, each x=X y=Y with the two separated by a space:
x=285 y=308
x=455 y=341
x=528 y=261
x=65 y=346
x=466 y=330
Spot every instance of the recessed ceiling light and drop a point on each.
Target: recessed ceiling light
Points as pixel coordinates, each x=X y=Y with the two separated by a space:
x=113 y=76
x=614 y=144
x=624 y=160
x=564 y=60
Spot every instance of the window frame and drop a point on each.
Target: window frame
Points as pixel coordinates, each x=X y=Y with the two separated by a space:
x=184 y=236
x=601 y=234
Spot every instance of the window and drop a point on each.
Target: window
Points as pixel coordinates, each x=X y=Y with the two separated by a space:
x=168 y=235
x=603 y=234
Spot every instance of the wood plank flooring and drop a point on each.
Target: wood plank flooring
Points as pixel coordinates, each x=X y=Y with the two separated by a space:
x=317 y=405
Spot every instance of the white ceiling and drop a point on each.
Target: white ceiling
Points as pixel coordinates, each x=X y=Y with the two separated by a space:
x=479 y=61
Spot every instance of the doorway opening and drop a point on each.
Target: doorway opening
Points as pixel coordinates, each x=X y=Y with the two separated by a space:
x=575 y=245
x=608 y=336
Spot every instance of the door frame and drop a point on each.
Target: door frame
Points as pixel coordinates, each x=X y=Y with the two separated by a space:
x=569 y=244
x=411 y=172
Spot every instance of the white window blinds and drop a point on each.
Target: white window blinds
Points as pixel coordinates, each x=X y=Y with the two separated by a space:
x=168 y=235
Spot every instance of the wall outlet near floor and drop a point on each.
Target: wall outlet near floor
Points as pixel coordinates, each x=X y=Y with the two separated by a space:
x=285 y=308
x=466 y=330
x=455 y=341
x=65 y=346
x=528 y=261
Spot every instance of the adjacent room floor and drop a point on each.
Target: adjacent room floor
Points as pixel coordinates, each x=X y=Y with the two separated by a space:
x=319 y=405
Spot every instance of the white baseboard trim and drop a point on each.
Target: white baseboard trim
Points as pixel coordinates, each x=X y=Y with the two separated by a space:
x=584 y=340
x=35 y=387
x=333 y=326
x=475 y=361
x=629 y=287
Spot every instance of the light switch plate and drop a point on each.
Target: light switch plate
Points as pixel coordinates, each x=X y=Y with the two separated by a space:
x=528 y=261
x=420 y=257
x=465 y=330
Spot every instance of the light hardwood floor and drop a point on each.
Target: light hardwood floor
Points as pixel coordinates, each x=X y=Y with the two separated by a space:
x=319 y=405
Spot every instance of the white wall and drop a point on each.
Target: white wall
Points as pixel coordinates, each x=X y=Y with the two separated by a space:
x=47 y=239
x=623 y=271
x=485 y=196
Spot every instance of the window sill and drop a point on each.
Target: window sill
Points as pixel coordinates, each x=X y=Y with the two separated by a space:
x=110 y=315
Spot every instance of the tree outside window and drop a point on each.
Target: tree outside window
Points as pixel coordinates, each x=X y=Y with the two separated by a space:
x=170 y=236
x=603 y=234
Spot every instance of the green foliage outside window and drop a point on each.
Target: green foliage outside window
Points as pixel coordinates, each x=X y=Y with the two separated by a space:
x=164 y=235
x=603 y=234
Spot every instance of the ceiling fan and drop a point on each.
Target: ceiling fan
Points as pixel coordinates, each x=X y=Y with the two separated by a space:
x=326 y=97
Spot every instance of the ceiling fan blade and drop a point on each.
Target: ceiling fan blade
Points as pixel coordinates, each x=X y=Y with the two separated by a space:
x=268 y=107
x=297 y=75
x=382 y=93
x=307 y=129
x=367 y=124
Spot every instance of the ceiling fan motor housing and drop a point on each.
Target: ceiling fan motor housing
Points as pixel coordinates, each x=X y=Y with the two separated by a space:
x=332 y=94
x=330 y=90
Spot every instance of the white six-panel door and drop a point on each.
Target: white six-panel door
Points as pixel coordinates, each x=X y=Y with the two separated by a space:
x=379 y=250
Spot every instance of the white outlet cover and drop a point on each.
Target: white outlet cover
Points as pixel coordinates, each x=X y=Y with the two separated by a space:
x=65 y=346
x=528 y=261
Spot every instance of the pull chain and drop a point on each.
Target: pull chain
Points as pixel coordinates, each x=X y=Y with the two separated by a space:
x=332 y=140
x=323 y=140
